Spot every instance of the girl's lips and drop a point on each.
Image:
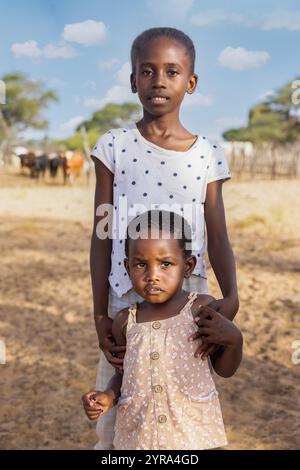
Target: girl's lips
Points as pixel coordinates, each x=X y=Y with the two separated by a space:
x=153 y=290
x=158 y=100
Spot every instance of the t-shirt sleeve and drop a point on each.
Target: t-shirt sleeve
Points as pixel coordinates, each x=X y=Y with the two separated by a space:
x=218 y=165
x=104 y=151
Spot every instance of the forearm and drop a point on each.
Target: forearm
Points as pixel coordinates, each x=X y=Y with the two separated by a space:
x=223 y=263
x=229 y=359
x=100 y=265
x=113 y=388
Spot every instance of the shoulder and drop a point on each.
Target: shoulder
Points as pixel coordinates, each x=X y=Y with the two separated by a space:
x=108 y=141
x=201 y=300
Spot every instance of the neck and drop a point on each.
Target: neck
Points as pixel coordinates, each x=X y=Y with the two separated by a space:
x=162 y=126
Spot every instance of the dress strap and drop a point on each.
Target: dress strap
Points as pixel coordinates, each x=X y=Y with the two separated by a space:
x=131 y=315
x=192 y=297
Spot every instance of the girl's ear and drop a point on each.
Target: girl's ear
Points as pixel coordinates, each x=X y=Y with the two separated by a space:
x=133 y=83
x=190 y=263
x=192 y=84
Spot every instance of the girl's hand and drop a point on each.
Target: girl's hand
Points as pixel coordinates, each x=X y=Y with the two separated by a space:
x=107 y=344
x=95 y=403
x=215 y=328
x=228 y=307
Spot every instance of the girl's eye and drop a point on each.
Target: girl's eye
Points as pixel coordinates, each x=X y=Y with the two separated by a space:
x=140 y=265
x=146 y=72
x=166 y=264
x=173 y=73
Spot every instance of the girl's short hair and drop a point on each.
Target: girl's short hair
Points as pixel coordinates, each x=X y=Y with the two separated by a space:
x=154 y=33
x=162 y=221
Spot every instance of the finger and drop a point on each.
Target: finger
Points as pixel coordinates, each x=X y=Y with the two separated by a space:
x=202 y=321
x=87 y=397
x=114 y=361
x=118 y=349
x=206 y=340
x=203 y=330
x=92 y=412
x=208 y=352
x=205 y=312
x=201 y=349
x=95 y=412
x=194 y=336
x=94 y=408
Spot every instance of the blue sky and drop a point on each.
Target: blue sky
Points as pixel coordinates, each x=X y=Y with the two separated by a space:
x=81 y=49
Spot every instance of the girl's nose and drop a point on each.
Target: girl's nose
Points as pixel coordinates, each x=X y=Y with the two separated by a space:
x=159 y=80
x=152 y=275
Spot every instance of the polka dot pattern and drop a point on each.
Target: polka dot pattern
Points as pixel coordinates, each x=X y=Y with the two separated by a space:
x=150 y=175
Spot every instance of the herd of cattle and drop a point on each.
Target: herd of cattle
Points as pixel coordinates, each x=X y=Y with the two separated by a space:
x=70 y=163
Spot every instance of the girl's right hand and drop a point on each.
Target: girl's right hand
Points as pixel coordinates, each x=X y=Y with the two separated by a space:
x=114 y=354
x=95 y=403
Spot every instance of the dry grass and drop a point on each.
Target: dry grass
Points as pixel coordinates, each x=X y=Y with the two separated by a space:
x=46 y=316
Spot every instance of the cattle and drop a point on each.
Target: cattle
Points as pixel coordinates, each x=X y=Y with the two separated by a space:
x=71 y=163
x=37 y=165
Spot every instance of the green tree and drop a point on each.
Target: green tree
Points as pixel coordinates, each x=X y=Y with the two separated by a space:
x=274 y=120
x=25 y=101
x=110 y=116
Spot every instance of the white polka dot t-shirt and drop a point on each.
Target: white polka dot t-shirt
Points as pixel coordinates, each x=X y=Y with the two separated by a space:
x=147 y=176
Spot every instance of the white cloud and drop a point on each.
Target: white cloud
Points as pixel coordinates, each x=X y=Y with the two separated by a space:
x=26 y=49
x=72 y=123
x=169 y=10
x=116 y=94
x=87 y=32
x=265 y=96
x=108 y=64
x=197 y=99
x=59 y=51
x=242 y=59
x=123 y=74
x=289 y=20
x=50 y=51
x=210 y=17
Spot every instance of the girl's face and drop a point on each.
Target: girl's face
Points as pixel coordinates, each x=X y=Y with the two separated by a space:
x=157 y=268
x=163 y=70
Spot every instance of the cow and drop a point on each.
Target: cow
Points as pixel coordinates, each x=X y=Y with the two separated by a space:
x=37 y=165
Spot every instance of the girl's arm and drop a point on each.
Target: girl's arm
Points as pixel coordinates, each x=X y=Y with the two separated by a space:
x=97 y=402
x=220 y=252
x=113 y=389
x=119 y=333
x=100 y=264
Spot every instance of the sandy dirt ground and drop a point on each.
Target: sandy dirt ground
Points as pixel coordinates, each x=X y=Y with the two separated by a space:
x=46 y=314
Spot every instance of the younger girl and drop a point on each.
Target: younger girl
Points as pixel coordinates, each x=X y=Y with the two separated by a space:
x=151 y=164
x=166 y=398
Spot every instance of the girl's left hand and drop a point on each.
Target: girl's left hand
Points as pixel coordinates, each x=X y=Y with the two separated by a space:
x=215 y=328
x=228 y=307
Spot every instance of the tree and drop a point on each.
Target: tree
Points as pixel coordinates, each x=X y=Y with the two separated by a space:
x=111 y=116
x=25 y=101
x=275 y=120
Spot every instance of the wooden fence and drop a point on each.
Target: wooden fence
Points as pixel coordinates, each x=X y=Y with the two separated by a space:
x=264 y=160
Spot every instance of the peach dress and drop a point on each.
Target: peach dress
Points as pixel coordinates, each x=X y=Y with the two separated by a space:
x=168 y=397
